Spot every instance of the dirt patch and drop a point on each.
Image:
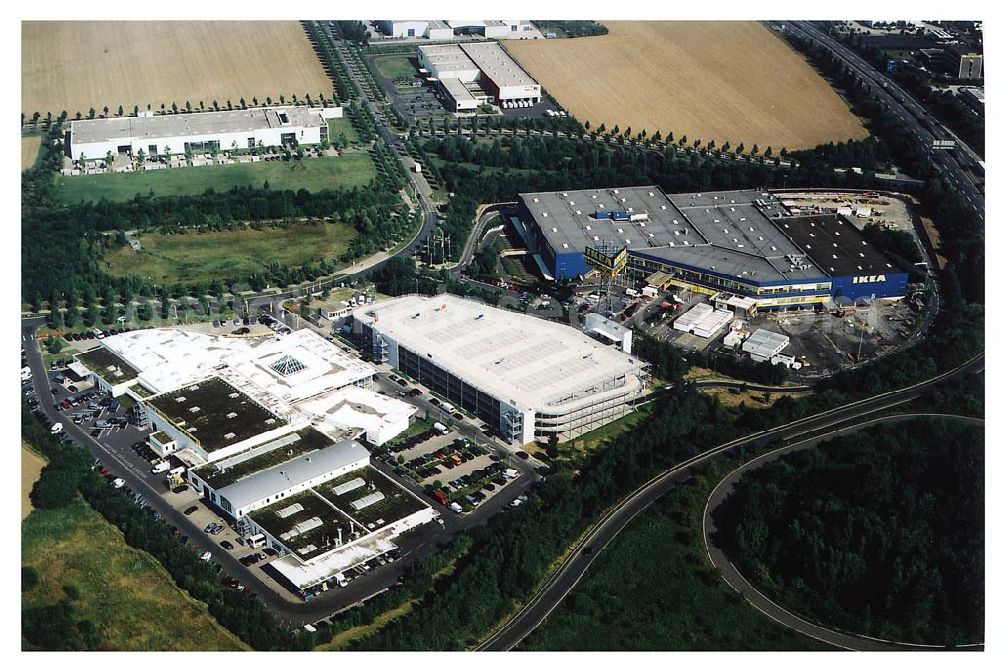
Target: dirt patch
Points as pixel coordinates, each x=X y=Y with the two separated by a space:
x=76 y=65
x=727 y=81
x=31 y=469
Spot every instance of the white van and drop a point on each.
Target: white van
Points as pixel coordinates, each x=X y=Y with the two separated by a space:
x=162 y=466
x=25 y=373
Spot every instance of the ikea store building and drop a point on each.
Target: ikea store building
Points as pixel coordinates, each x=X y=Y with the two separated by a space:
x=745 y=242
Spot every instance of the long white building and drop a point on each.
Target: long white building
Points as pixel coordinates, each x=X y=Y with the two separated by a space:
x=202 y=131
x=526 y=377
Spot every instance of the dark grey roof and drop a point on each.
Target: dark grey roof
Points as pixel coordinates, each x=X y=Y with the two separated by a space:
x=836 y=246
x=567 y=219
x=729 y=233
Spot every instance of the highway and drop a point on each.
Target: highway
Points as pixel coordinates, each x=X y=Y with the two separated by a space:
x=923 y=125
x=595 y=539
x=733 y=577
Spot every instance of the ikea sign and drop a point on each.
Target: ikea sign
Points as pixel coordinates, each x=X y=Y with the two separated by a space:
x=862 y=280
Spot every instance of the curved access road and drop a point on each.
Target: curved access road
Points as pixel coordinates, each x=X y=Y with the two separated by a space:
x=598 y=536
x=736 y=581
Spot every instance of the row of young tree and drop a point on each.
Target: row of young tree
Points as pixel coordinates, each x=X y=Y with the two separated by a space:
x=880 y=532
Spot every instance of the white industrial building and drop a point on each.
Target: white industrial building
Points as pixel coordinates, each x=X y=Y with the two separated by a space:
x=380 y=417
x=180 y=378
x=401 y=29
x=436 y=30
x=524 y=376
x=611 y=332
x=473 y=73
x=269 y=485
x=170 y=134
x=763 y=344
x=703 y=320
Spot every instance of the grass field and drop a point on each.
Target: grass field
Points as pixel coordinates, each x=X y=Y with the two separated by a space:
x=76 y=65
x=652 y=589
x=124 y=592
x=193 y=257
x=31 y=468
x=342 y=126
x=395 y=67
x=30 y=147
x=723 y=81
x=313 y=174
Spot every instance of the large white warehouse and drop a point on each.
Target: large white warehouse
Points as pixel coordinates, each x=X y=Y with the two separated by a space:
x=524 y=376
x=176 y=133
x=477 y=72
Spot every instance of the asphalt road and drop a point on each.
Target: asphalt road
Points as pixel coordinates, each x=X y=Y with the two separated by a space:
x=614 y=521
x=758 y=600
x=415 y=546
x=923 y=125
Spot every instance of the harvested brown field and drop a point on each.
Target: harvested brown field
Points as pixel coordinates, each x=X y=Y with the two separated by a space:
x=30 y=146
x=31 y=470
x=727 y=81
x=76 y=65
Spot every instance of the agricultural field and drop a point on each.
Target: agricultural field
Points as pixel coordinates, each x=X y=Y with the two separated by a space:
x=313 y=174
x=30 y=147
x=31 y=469
x=206 y=256
x=76 y=65
x=124 y=592
x=727 y=81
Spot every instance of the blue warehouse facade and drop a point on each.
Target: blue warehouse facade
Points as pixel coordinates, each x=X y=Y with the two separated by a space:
x=744 y=242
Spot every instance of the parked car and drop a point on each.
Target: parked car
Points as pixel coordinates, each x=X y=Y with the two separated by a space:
x=226 y=544
x=205 y=556
x=118 y=482
x=191 y=510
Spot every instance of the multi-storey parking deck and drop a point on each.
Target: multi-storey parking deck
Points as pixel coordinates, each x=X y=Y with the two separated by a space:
x=525 y=376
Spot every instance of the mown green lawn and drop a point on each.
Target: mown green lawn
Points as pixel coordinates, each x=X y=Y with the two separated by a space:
x=125 y=593
x=206 y=256
x=653 y=589
x=395 y=67
x=337 y=126
x=315 y=174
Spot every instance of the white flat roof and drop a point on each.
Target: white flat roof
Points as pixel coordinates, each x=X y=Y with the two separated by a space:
x=128 y=128
x=168 y=359
x=765 y=343
x=306 y=575
x=447 y=58
x=497 y=64
x=703 y=319
x=355 y=407
x=527 y=361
